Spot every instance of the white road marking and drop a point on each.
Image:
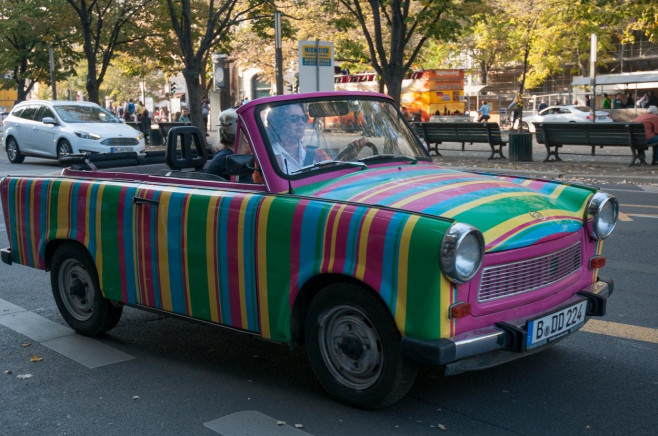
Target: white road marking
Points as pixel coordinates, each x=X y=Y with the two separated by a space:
x=61 y=339
x=251 y=422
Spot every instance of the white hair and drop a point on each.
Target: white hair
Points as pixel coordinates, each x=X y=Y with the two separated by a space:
x=652 y=110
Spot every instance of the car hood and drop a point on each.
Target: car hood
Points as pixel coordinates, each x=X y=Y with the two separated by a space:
x=511 y=212
x=105 y=129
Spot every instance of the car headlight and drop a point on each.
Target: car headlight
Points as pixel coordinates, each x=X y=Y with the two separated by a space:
x=87 y=135
x=462 y=250
x=602 y=215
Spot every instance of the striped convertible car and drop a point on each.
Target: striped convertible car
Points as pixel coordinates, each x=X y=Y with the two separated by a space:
x=341 y=236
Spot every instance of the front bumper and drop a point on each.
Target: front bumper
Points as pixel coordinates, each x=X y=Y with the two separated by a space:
x=497 y=344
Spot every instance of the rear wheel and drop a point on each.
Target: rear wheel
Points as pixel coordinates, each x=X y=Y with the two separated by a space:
x=354 y=347
x=14 y=152
x=77 y=292
x=63 y=148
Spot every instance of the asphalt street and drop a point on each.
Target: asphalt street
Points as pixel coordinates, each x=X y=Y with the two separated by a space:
x=156 y=375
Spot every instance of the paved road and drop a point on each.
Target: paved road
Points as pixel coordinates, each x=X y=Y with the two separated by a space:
x=157 y=375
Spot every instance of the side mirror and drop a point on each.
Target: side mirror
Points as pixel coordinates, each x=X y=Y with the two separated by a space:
x=240 y=164
x=49 y=120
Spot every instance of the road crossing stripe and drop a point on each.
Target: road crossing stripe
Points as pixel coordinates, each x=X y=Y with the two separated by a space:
x=59 y=338
x=626 y=331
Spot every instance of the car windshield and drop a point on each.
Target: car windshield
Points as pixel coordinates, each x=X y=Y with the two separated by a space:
x=84 y=114
x=313 y=135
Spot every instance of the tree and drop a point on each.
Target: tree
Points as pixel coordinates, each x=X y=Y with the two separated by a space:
x=395 y=31
x=27 y=29
x=106 y=25
x=198 y=25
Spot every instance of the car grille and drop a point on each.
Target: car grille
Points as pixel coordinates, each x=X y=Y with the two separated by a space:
x=501 y=281
x=120 y=141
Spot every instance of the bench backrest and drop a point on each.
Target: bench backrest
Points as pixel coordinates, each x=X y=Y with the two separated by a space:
x=459 y=132
x=611 y=134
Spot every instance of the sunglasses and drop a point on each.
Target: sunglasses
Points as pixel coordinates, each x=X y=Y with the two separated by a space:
x=298 y=118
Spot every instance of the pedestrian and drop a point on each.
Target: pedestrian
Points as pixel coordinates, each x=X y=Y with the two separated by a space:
x=630 y=101
x=205 y=110
x=588 y=101
x=144 y=122
x=652 y=100
x=484 y=112
x=617 y=103
x=650 y=121
x=185 y=116
x=606 y=103
x=131 y=109
x=516 y=107
x=542 y=105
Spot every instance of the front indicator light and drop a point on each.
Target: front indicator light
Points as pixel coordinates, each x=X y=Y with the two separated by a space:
x=460 y=310
x=597 y=262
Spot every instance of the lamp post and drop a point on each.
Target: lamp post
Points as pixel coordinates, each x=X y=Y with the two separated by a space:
x=278 y=53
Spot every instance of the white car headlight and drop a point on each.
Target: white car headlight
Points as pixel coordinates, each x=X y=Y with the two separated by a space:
x=462 y=250
x=87 y=135
x=602 y=215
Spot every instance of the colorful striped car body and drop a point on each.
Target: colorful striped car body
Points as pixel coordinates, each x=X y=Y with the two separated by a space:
x=376 y=262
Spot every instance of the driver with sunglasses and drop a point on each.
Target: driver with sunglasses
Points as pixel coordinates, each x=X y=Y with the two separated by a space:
x=286 y=126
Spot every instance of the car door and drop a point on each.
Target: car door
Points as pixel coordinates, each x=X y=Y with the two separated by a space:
x=44 y=134
x=24 y=129
x=196 y=252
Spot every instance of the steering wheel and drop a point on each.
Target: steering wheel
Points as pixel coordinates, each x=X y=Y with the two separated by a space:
x=351 y=149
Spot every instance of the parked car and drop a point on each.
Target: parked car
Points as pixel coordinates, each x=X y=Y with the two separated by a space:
x=565 y=114
x=350 y=241
x=3 y=115
x=54 y=128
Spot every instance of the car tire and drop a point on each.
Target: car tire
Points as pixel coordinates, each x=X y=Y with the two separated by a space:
x=63 y=148
x=14 y=152
x=77 y=292
x=353 y=345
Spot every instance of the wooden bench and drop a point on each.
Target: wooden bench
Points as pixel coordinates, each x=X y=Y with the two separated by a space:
x=556 y=135
x=437 y=133
x=165 y=127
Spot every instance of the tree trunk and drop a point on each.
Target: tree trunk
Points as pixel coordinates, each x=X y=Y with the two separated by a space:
x=191 y=75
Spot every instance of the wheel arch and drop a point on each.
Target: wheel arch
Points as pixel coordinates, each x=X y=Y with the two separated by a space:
x=310 y=290
x=53 y=245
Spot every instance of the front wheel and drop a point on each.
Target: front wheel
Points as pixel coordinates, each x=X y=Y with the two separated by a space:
x=77 y=292
x=14 y=152
x=63 y=148
x=354 y=348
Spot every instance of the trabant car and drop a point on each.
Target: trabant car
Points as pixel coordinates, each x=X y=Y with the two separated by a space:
x=351 y=242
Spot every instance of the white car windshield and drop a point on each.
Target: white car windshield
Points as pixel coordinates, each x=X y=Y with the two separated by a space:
x=85 y=114
x=305 y=136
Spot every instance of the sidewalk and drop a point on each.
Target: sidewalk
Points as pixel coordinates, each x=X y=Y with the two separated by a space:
x=610 y=164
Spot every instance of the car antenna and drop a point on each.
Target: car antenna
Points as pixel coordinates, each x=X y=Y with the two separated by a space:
x=290 y=190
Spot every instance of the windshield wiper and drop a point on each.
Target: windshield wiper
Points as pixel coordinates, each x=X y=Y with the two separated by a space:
x=387 y=157
x=327 y=163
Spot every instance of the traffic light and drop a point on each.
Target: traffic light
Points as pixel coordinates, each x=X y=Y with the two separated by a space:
x=172 y=88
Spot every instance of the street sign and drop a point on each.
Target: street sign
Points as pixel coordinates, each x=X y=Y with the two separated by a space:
x=316 y=66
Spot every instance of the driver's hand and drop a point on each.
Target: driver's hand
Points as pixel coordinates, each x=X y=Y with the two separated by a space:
x=358 y=144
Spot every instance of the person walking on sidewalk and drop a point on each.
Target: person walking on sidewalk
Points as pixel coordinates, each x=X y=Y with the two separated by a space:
x=484 y=112
x=650 y=121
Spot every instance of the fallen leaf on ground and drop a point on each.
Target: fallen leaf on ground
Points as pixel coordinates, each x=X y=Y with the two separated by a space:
x=9 y=371
x=280 y=423
x=299 y=425
x=135 y=397
x=440 y=427
x=36 y=358
x=23 y=376
x=26 y=344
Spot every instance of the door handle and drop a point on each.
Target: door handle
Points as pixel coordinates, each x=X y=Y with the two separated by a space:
x=140 y=200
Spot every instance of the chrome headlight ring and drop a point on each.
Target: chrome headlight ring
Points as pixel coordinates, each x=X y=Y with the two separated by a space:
x=602 y=215
x=462 y=251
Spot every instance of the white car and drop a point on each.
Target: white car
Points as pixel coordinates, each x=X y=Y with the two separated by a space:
x=565 y=114
x=54 y=128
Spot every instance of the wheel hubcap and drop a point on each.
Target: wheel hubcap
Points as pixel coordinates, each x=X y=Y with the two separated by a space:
x=76 y=289
x=351 y=347
x=11 y=150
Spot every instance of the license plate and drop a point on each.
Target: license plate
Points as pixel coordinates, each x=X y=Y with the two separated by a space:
x=120 y=149
x=555 y=325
